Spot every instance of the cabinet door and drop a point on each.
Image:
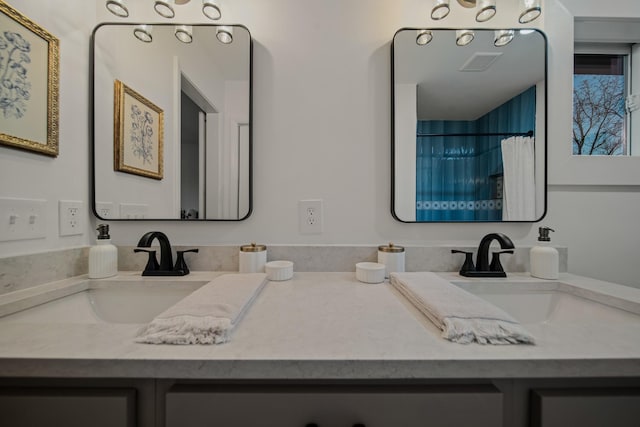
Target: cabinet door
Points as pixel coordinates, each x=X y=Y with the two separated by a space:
x=333 y=406
x=610 y=407
x=35 y=407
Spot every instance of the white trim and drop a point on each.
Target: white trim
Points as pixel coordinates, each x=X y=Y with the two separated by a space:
x=177 y=111
x=202 y=165
x=565 y=168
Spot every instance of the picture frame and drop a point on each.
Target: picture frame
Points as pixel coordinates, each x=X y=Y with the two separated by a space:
x=29 y=91
x=138 y=133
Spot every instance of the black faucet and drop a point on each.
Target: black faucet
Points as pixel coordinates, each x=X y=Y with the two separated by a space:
x=166 y=266
x=482 y=267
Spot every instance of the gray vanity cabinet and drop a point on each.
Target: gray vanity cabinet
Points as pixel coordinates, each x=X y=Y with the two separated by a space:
x=68 y=407
x=299 y=406
x=595 y=407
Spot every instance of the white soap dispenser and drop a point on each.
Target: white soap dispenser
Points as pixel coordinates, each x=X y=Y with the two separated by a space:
x=544 y=259
x=103 y=257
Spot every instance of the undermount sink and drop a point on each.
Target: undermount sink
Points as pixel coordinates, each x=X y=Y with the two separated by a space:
x=117 y=301
x=548 y=302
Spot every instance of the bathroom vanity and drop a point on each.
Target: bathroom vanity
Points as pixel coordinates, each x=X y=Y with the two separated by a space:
x=322 y=348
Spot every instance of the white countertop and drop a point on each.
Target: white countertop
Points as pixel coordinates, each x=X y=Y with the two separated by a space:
x=326 y=326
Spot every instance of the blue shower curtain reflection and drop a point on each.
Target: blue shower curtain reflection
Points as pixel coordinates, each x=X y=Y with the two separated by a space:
x=458 y=178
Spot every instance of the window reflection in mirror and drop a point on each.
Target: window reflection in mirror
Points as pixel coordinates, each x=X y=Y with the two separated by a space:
x=469 y=134
x=204 y=91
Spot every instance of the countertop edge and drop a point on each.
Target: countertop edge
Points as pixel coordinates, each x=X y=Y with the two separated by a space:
x=318 y=369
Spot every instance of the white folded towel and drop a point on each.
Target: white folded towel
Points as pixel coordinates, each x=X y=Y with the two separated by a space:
x=462 y=317
x=207 y=315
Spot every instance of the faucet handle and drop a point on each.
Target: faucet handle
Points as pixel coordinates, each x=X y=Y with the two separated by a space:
x=152 y=262
x=468 y=260
x=181 y=265
x=495 y=260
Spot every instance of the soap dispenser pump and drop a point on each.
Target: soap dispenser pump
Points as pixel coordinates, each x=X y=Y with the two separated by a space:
x=544 y=259
x=103 y=257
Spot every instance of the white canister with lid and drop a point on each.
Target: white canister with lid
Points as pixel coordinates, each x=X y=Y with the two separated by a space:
x=252 y=258
x=392 y=257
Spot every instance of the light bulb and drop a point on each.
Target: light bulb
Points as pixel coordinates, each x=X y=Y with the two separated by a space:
x=184 y=33
x=464 y=37
x=530 y=11
x=118 y=8
x=165 y=8
x=486 y=10
x=143 y=33
x=503 y=37
x=423 y=37
x=224 y=34
x=211 y=9
x=440 y=9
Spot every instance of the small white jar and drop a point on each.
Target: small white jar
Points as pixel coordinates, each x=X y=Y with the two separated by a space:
x=252 y=258
x=279 y=270
x=370 y=272
x=392 y=257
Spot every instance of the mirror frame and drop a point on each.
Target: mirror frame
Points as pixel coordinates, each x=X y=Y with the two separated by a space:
x=92 y=159
x=393 y=131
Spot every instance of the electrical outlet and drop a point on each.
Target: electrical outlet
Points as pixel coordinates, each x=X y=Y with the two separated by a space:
x=104 y=210
x=70 y=217
x=310 y=216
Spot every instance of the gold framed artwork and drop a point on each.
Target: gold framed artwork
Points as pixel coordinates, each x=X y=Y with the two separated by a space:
x=138 y=133
x=29 y=84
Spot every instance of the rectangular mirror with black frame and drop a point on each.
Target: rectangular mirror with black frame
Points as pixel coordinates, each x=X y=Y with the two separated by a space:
x=468 y=125
x=172 y=121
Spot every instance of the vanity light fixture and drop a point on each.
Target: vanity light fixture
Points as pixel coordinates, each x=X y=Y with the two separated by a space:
x=486 y=10
x=530 y=11
x=224 y=34
x=165 y=8
x=502 y=37
x=118 y=8
x=211 y=9
x=464 y=37
x=423 y=37
x=184 y=33
x=440 y=9
x=143 y=33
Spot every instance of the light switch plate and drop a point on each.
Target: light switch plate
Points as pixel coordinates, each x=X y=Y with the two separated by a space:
x=22 y=219
x=133 y=211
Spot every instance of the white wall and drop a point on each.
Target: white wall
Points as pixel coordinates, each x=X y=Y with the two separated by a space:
x=27 y=175
x=322 y=130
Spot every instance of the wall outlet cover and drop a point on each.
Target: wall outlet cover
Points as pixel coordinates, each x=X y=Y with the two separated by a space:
x=133 y=211
x=70 y=215
x=310 y=216
x=104 y=210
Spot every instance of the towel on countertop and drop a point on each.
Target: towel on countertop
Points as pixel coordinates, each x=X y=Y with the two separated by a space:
x=462 y=317
x=207 y=315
